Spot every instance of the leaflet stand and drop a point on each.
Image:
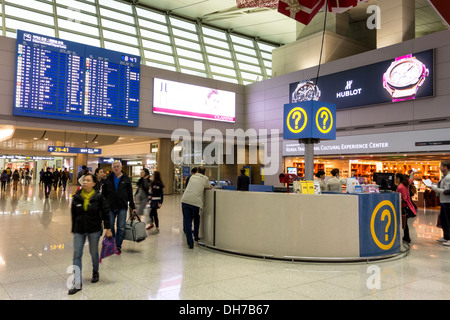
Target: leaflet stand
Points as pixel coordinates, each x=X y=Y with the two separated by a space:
x=309 y=156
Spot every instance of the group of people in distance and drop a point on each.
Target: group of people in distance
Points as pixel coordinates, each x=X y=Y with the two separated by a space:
x=333 y=184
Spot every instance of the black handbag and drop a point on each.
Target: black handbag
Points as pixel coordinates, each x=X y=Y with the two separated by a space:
x=408 y=212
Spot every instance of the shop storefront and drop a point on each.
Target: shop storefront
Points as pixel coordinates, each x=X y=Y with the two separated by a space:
x=416 y=152
x=132 y=166
x=219 y=171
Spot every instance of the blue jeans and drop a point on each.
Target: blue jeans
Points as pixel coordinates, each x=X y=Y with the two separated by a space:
x=190 y=213
x=121 y=215
x=78 y=244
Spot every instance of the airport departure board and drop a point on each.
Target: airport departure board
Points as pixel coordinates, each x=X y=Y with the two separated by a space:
x=65 y=80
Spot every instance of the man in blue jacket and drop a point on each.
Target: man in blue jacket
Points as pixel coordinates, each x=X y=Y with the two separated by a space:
x=118 y=192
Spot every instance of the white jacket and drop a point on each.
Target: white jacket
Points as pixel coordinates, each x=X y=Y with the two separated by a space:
x=194 y=192
x=443 y=185
x=335 y=184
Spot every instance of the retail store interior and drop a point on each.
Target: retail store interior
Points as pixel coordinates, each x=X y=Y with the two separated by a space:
x=418 y=166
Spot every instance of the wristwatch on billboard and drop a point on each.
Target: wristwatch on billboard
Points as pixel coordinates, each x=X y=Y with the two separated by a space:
x=404 y=77
x=306 y=91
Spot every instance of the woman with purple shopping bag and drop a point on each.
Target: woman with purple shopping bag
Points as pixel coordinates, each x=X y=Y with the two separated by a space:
x=89 y=210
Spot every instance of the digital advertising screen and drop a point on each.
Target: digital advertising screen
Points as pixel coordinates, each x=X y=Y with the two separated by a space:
x=65 y=80
x=186 y=100
x=402 y=78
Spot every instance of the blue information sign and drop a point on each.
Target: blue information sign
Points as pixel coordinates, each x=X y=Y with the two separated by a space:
x=74 y=150
x=186 y=171
x=65 y=80
x=324 y=118
x=379 y=224
x=309 y=119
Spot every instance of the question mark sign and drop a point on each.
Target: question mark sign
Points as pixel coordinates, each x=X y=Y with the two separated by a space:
x=385 y=214
x=324 y=114
x=297 y=116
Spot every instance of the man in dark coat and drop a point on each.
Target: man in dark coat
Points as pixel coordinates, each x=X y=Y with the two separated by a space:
x=47 y=178
x=243 y=181
x=118 y=192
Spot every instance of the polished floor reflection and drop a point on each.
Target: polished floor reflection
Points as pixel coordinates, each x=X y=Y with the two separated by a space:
x=36 y=251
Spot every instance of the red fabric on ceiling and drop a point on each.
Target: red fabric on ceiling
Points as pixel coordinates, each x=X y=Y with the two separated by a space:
x=301 y=10
x=443 y=8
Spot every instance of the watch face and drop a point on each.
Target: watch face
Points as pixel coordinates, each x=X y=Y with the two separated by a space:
x=306 y=91
x=405 y=73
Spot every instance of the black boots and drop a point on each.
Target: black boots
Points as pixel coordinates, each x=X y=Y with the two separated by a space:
x=75 y=289
x=95 y=276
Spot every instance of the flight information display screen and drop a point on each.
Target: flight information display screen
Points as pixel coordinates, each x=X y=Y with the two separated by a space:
x=60 y=79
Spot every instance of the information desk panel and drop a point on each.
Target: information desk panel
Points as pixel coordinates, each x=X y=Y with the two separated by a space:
x=333 y=227
x=65 y=80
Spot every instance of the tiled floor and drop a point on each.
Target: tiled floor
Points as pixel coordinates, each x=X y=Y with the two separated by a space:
x=36 y=251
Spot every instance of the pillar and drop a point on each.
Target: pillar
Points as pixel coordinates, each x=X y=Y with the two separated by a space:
x=80 y=160
x=165 y=165
x=397 y=22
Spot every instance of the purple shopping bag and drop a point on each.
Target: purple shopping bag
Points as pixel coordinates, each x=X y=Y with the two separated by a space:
x=108 y=247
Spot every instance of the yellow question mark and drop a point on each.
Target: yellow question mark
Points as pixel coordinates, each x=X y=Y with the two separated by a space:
x=297 y=116
x=385 y=214
x=324 y=114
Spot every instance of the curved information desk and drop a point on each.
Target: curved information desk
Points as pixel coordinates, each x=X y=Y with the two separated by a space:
x=323 y=227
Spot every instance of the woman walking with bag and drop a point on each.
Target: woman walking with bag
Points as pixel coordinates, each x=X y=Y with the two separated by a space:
x=156 y=199
x=89 y=210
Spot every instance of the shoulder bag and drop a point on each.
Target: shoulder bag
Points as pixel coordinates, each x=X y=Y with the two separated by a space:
x=135 y=230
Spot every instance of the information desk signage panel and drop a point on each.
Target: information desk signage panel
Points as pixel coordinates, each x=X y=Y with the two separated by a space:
x=402 y=78
x=74 y=150
x=380 y=224
x=65 y=80
x=309 y=119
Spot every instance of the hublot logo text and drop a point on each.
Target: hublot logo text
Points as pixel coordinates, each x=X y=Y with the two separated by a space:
x=348 y=91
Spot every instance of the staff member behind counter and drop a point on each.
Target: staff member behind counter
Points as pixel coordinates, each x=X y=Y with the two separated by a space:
x=335 y=183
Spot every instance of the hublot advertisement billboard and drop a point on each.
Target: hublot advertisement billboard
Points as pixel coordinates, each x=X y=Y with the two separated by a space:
x=406 y=77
